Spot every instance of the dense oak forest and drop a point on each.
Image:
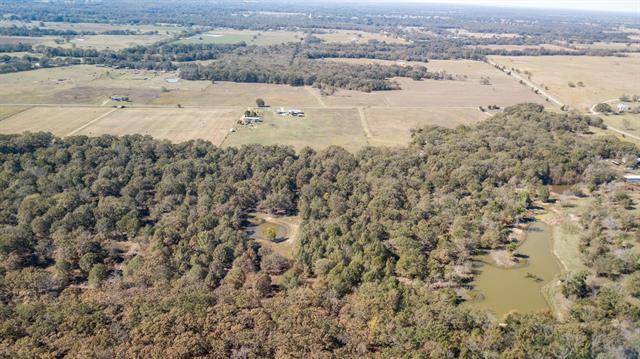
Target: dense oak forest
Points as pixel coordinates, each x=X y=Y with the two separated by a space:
x=134 y=247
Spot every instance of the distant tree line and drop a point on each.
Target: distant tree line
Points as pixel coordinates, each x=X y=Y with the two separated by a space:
x=320 y=74
x=25 y=63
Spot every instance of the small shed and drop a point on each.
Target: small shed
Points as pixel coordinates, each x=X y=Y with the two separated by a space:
x=622 y=107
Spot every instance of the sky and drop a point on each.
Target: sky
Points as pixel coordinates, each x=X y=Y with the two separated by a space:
x=597 y=5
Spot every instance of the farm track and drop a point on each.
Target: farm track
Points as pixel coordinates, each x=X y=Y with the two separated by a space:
x=317 y=96
x=558 y=102
x=364 y=123
x=528 y=83
x=91 y=122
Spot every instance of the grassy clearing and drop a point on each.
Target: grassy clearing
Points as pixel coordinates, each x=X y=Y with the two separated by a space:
x=236 y=94
x=610 y=46
x=175 y=125
x=86 y=84
x=59 y=121
x=250 y=37
x=604 y=78
x=358 y=37
x=320 y=128
x=628 y=122
x=392 y=127
x=288 y=247
x=467 y=91
x=113 y=42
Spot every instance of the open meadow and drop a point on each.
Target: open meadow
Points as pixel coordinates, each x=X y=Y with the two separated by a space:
x=627 y=122
x=357 y=37
x=205 y=93
x=250 y=37
x=351 y=119
x=6 y=112
x=392 y=127
x=61 y=121
x=466 y=91
x=320 y=128
x=175 y=125
x=604 y=78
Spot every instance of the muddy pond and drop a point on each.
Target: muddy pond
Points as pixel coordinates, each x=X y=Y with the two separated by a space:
x=502 y=290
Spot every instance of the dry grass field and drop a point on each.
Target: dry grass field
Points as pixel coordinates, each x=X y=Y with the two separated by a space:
x=604 y=78
x=88 y=85
x=628 y=122
x=467 y=91
x=349 y=118
x=113 y=42
x=237 y=94
x=320 y=128
x=61 y=121
x=6 y=112
x=610 y=46
x=359 y=37
x=175 y=125
x=251 y=37
x=392 y=127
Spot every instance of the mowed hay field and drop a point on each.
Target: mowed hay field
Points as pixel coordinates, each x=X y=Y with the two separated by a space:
x=604 y=78
x=9 y=111
x=467 y=91
x=320 y=128
x=238 y=94
x=392 y=127
x=175 y=125
x=61 y=121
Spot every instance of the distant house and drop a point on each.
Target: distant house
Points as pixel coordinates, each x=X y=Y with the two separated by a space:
x=622 y=107
x=282 y=112
x=632 y=179
x=172 y=80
